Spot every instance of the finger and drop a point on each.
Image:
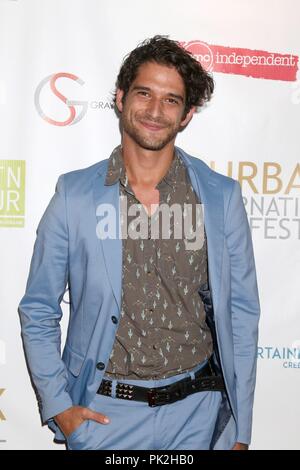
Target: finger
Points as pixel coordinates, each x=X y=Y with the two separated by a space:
x=100 y=418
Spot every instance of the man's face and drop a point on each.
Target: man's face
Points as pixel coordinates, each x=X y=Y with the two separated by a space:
x=153 y=109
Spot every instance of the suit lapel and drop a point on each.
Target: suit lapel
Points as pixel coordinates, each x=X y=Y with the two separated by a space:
x=206 y=186
x=111 y=247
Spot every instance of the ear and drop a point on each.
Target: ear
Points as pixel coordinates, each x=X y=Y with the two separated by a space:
x=119 y=97
x=188 y=117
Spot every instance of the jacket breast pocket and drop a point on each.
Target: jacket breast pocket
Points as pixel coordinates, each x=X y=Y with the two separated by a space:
x=73 y=360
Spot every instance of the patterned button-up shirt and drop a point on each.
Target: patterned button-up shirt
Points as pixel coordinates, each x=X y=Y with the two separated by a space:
x=162 y=329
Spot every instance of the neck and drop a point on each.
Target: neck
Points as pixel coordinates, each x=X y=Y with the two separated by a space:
x=146 y=167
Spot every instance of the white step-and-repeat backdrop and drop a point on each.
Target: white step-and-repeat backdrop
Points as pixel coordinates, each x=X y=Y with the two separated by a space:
x=58 y=64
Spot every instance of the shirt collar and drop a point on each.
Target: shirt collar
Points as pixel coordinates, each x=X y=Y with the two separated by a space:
x=116 y=169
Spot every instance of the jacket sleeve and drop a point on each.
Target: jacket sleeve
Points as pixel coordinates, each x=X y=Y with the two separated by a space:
x=245 y=310
x=40 y=311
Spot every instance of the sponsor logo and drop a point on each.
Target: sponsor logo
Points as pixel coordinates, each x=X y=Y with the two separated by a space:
x=12 y=193
x=272 y=202
x=241 y=61
x=77 y=109
x=287 y=356
x=2 y=417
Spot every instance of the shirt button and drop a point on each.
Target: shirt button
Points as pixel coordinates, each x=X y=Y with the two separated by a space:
x=100 y=366
x=114 y=319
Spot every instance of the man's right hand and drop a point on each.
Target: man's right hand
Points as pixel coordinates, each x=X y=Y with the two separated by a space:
x=70 y=419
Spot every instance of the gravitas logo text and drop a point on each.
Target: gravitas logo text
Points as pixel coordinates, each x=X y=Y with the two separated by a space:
x=76 y=109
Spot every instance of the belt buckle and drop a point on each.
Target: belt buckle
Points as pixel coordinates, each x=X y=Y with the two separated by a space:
x=156 y=398
x=176 y=391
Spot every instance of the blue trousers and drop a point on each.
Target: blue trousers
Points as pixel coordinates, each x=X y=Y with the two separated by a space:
x=186 y=424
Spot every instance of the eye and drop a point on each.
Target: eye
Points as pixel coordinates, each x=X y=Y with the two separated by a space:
x=143 y=93
x=172 y=101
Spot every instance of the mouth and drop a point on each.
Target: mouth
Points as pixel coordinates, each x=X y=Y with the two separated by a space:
x=151 y=126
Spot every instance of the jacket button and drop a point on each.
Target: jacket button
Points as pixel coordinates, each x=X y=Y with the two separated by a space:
x=100 y=366
x=114 y=319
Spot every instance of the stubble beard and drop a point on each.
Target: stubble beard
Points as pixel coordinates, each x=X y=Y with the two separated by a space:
x=146 y=142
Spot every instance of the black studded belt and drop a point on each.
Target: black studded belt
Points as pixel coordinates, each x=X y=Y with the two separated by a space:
x=205 y=380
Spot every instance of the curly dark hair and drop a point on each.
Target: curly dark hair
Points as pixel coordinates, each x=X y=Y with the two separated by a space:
x=199 y=84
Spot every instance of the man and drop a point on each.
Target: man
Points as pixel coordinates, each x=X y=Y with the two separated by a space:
x=162 y=337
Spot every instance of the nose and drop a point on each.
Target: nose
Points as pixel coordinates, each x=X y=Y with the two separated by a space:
x=154 y=108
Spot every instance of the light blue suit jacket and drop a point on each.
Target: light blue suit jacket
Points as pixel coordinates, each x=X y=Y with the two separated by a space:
x=68 y=251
